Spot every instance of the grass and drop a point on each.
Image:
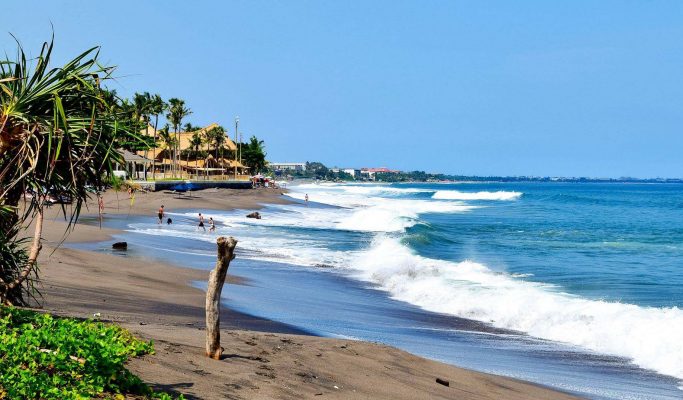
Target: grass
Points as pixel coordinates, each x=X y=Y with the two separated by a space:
x=46 y=357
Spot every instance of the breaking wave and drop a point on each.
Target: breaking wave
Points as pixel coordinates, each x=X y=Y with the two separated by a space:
x=456 y=195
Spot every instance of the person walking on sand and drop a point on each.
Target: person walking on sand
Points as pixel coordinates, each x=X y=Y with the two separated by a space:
x=212 y=225
x=160 y=214
x=100 y=203
x=201 y=222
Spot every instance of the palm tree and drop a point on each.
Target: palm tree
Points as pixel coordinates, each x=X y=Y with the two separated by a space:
x=157 y=106
x=168 y=142
x=188 y=127
x=110 y=97
x=195 y=145
x=254 y=154
x=167 y=139
x=58 y=133
x=142 y=107
x=217 y=136
x=177 y=111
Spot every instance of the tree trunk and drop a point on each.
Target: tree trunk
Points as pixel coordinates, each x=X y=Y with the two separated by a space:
x=226 y=253
x=146 y=149
x=30 y=264
x=156 y=151
x=174 y=167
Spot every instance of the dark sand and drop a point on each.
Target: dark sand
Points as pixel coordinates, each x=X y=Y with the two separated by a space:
x=263 y=359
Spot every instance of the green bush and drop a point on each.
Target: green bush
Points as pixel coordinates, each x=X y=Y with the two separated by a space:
x=46 y=357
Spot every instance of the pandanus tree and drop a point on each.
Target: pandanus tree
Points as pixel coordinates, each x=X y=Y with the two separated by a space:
x=58 y=136
x=176 y=113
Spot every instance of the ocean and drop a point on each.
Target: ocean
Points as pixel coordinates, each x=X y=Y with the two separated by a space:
x=577 y=286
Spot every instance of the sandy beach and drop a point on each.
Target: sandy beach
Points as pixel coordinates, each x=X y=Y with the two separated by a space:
x=263 y=359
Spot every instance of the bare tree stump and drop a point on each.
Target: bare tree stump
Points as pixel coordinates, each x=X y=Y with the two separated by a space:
x=226 y=253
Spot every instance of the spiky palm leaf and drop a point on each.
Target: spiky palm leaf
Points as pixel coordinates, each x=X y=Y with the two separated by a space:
x=58 y=136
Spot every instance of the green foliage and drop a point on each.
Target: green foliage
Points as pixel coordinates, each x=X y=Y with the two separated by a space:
x=188 y=127
x=254 y=155
x=157 y=106
x=166 y=137
x=339 y=176
x=45 y=357
x=177 y=112
x=216 y=137
x=316 y=169
x=412 y=176
x=116 y=182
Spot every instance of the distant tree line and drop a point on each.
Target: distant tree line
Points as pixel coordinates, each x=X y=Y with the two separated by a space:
x=316 y=170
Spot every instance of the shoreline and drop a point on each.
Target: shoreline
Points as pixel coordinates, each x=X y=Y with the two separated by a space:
x=264 y=359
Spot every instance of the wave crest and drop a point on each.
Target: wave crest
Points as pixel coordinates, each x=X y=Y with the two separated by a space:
x=456 y=195
x=647 y=335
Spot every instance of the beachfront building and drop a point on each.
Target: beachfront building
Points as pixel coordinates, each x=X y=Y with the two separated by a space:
x=134 y=165
x=355 y=172
x=287 y=166
x=370 y=173
x=204 y=162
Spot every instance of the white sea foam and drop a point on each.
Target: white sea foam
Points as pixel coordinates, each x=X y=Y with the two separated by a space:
x=363 y=189
x=457 y=195
x=367 y=213
x=648 y=336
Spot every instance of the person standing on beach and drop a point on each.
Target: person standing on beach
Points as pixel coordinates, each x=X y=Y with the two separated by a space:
x=160 y=214
x=100 y=203
x=201 y=222
x=212 y=225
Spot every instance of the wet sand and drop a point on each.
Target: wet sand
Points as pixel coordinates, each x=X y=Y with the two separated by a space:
x=263 y=359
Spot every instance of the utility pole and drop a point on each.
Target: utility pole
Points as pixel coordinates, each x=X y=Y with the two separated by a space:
x=237 y=124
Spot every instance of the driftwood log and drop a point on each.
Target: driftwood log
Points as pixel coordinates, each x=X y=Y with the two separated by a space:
x=226 y=253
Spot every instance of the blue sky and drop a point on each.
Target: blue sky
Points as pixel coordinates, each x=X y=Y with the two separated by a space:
x=580 y=88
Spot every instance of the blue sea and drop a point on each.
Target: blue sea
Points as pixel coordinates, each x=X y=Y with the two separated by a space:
x=577 y=286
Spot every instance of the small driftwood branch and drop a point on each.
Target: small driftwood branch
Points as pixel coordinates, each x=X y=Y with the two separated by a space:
x=226 y=253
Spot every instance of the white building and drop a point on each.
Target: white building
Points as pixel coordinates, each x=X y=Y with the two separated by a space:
x=284 y=166
x=355 y=172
